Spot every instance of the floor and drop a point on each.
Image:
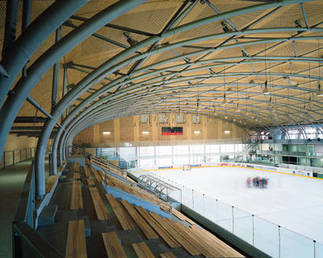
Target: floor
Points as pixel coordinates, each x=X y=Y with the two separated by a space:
x=295 y=203
x=11 y=183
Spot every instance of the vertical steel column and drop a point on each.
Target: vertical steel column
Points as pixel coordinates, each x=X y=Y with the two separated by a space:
x=11 y=26
x=55 y=72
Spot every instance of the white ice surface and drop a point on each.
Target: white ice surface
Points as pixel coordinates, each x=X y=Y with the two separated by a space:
x=295 y=203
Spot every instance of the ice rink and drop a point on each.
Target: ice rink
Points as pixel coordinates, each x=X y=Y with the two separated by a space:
x=293 y=202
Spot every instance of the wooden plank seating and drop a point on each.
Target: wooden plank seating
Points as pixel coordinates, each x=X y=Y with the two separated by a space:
x=76 y=167
x=87 y=171
x=100 y=209
x=216 y=244
x=106 y=165
x=76 y=243
x=97 y=176
x=142 y=250
x=186 y=244
x=167 y=255
x=90 y=182
x=135 y=190
x=76 y=176
x=201 y=245
x=168 y=238
x=112 y=245
x=141 y=223
x=122 y=216
x=181 y=216
x=76 y=199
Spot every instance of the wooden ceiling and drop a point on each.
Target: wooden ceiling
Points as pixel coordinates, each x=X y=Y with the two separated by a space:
x=255 y=63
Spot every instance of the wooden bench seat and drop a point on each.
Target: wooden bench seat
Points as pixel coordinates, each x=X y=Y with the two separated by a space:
x=167 y=255
x=106 y=165
x=112 y=245
x=216 y=244
x=76 y=176
x=76 y=199
x=100 y=209
x=135 y=190
x=168 y=238
x=90 y=182
x=200 y=245
x=87 y=171
x=122 y=216
x=76 y=167
x=185 y=243
x=76 y=243
x=181 y=216
x=97 y=176
x=141 y=223
x=142 y=250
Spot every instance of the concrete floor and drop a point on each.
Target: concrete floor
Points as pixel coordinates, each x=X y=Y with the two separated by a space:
x=11 y=183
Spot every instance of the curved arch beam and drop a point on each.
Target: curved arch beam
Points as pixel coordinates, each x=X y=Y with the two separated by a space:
x=30 y=40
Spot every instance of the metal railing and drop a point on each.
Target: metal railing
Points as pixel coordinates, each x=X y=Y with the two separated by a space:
x=10 y=158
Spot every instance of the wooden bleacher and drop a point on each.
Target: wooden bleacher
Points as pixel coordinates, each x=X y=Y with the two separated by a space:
x=142 y=250
x=87 y=171
x=106 y=165
x=167 y=255
x=77 y=176
x=76 y=243
x=76 y=199
x=169 y=227
x=164 y=234
x=178 y=236
x=122 y=216
x=100 y=209
x=141 y=223
x=97 y=175
x=112 y=245
x=137 y=191
x=181 y=216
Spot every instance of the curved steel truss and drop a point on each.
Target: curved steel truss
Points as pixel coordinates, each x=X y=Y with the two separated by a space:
x=257 y=64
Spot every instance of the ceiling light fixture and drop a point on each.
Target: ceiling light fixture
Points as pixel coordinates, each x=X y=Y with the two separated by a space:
x=106 y=133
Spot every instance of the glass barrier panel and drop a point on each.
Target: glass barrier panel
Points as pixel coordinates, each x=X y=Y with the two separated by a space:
x=198 y=201
x=242 y=225
x=266 y=236
x=318 y=250
x=223 y=215
x=293 y=244
x=187 y=197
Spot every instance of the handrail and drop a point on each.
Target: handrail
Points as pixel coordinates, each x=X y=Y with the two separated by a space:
x=23 y=155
